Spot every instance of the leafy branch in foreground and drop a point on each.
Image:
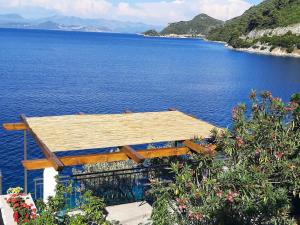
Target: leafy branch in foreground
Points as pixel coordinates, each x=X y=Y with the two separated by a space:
x=252 y=179
x=55 y=211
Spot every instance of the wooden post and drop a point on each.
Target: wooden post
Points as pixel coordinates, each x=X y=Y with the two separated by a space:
x=57 y=164
x=177 y=143
x=25 y=158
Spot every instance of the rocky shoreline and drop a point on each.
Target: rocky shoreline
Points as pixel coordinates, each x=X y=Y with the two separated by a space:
x=260 y=49
x=280 y=52
x=266 y=51
x=174 y=36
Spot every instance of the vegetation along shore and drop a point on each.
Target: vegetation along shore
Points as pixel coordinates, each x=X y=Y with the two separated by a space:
x=271 y=27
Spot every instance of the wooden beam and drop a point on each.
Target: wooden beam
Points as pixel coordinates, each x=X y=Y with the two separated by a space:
x=105 y=157
x=132 y=154
x=14 y=126
x=210 y=150
x=56 y=163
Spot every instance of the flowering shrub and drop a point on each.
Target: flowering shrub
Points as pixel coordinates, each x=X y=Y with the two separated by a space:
x=253 y=178
x=23 y=212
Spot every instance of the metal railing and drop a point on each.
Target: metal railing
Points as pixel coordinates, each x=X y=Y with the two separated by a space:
x=39 y=185
x=115 y=186
x=121 y=186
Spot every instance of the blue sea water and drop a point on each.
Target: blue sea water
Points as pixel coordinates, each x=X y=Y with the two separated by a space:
x=54 y=73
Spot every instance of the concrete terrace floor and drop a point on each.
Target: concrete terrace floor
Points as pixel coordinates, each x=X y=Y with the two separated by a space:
x=137 y=213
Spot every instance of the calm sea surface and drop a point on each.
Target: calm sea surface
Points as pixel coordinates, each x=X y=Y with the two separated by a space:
x=54 y=73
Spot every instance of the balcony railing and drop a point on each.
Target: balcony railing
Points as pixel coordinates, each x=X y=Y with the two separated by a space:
x=115 y=186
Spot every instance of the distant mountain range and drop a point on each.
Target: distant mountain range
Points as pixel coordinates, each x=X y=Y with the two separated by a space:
x=73 y=24
x=200 y=25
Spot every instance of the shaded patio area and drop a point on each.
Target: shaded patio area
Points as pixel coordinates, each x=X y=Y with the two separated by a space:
x=122 y=131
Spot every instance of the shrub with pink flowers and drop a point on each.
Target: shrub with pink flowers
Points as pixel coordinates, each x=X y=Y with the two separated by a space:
x=23 y=213
x=254 y=177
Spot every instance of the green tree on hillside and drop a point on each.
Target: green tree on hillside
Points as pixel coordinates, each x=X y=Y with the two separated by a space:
x=268 y=14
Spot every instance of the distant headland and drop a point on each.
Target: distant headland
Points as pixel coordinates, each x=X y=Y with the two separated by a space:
x=271 y=27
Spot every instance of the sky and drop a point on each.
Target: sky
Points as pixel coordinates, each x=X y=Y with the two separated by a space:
x=156 y=12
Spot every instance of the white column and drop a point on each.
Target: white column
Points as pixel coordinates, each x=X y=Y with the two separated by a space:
x=49 y=183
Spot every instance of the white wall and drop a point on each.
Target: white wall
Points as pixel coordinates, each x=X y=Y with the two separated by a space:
x=49 y=183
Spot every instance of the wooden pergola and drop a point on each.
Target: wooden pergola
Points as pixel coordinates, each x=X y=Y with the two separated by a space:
x=89 y=131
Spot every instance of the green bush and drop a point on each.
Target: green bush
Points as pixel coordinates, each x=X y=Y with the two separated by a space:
x=54 y=211
x=290 y=49
x=288 y=41
x=237 y=42
x=251 y=180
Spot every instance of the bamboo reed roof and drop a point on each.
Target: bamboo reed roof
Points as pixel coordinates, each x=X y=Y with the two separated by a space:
x=80 y=132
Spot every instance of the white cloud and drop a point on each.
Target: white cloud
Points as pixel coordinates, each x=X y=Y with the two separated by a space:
x=164 y=12
x=223 y=9
x=82 y=8
x=156 y=12
x=124 y=9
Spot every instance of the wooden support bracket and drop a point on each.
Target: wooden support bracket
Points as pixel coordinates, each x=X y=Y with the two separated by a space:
x=199 y=148
x=56 y=163
x=132 y=154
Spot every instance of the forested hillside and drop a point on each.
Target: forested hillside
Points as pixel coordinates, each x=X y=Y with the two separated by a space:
x=199 y=25
x=268 y=15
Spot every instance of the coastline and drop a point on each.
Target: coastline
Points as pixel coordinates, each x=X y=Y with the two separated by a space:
x=276 y=52
x=279 y=52
x=183 y=36
x=220 y=42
